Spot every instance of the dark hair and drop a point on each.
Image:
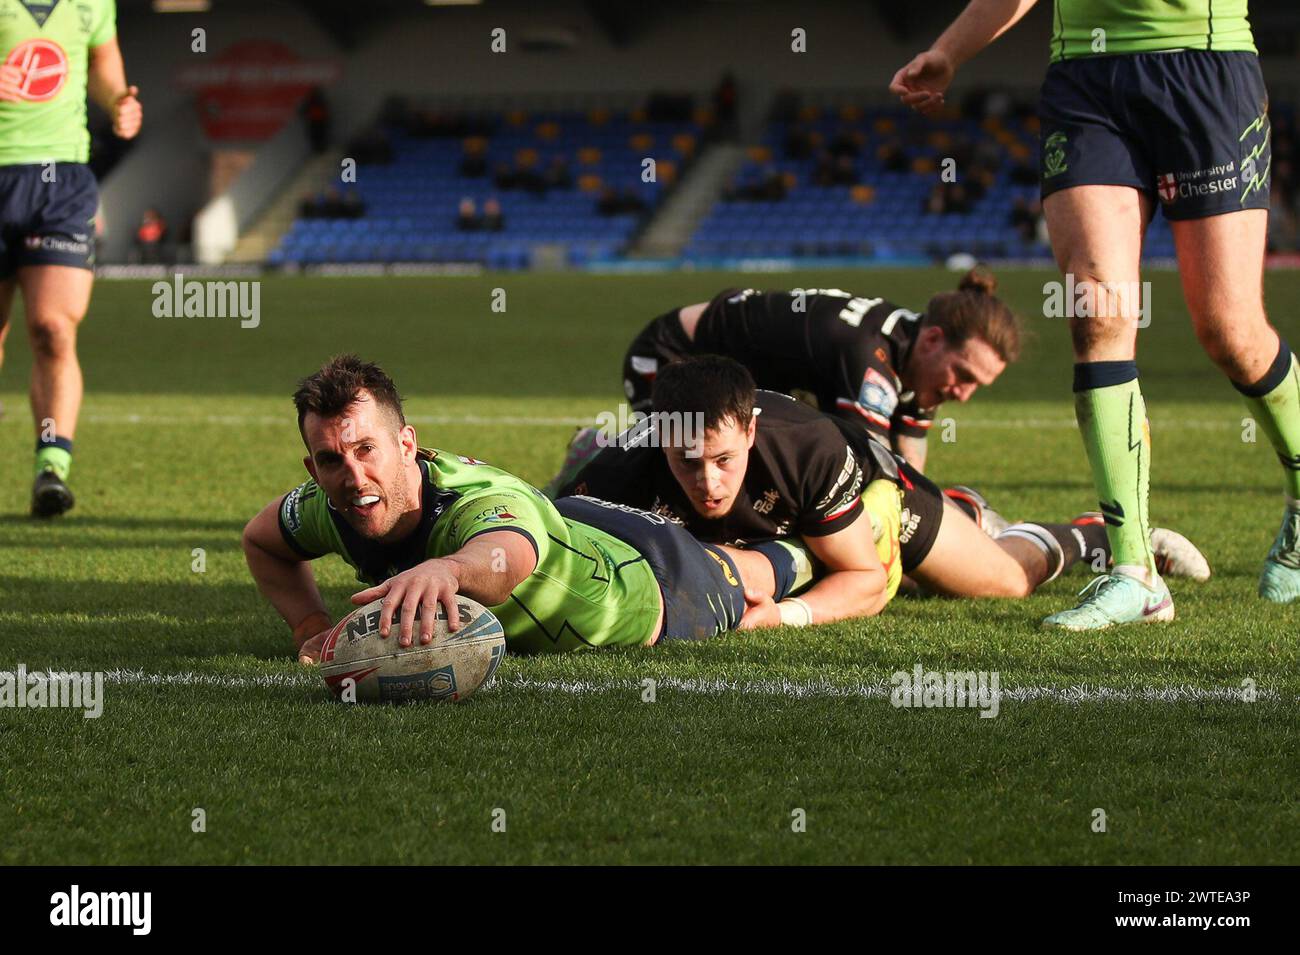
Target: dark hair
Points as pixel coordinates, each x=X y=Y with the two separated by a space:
x=973 y=311
x=713 y=386
x=333 y=389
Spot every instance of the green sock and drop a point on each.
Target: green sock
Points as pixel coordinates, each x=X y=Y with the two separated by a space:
x=58 y=460
x=1113 y=422
x=1278 y=412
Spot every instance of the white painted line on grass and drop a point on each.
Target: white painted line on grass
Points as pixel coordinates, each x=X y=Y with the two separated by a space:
x=793 y=689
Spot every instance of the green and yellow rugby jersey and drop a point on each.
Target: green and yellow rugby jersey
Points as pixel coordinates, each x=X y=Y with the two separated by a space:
x=589 y=588
x=49 y=41
x=1147 y=26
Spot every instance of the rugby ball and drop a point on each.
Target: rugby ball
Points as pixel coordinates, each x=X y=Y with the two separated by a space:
x=362 y=667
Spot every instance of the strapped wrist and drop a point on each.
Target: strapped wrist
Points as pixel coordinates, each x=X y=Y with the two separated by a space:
x=794 y=612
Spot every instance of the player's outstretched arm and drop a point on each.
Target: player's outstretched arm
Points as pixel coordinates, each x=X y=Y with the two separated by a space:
x=284 y=577
x=854 y=585
x=106 y=83
x=922 y=82
x=487 y=569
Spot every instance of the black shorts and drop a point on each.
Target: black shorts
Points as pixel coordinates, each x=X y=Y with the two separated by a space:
x=660 y=342
x=922 y=516
x=47 y=216
x=1188 y=127
x=922 y=512
x=702 y=592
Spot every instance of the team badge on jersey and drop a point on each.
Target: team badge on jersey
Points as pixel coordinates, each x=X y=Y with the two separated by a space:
x=878 y=396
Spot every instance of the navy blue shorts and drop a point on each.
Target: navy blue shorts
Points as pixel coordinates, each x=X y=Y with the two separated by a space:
x=47 y=222
x=661 y=342
x=703 y=595
x=1189 y=127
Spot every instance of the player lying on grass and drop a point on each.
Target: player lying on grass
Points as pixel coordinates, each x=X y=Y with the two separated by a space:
x=774 y=474
x=420 y=526
x=864 y=359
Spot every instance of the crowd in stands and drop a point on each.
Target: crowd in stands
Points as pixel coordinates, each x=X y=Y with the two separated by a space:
x=331 y=203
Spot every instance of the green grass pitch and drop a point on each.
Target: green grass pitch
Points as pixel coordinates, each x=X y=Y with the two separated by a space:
x=187 y=430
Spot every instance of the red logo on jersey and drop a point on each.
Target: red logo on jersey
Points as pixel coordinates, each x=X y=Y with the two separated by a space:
x=44 y=68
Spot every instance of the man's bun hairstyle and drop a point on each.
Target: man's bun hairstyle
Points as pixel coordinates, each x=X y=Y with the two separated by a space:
x=975 y=311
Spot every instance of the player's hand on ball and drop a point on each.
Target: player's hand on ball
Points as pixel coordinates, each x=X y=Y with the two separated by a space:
x=128 y=114
x=11 y=78
x=921 y=83
x=421 y=589
x=764 y=613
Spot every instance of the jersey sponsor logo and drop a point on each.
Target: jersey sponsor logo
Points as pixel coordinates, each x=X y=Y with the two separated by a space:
x=768 y=501
x=1211 y=181
x=851 y=472
x=874 y=418
x=908 y=523
x=54 y=243
x=291 y=510
x=878 y=394
x=500 y=517
x=44 y=69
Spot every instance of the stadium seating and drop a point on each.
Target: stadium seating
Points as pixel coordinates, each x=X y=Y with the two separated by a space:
x=882 y=215
x=410 y=203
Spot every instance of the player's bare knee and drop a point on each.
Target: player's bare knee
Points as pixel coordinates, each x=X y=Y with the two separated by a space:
x=53 y=338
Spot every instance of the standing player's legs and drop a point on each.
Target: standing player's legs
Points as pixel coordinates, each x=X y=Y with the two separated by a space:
x=1221 y=261
x=1096 y=235
x=7 y=287
x=55 y=299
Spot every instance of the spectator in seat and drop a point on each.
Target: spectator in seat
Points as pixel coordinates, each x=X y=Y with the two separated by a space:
x=893 y=158
x=503 y=177
x=315 y=111
x=798 y=144
x=558 y=174
x=493 y=220
x=467 y=219
x=353 y=207
x=473 y=163
x=845 y=172
x=149 y=236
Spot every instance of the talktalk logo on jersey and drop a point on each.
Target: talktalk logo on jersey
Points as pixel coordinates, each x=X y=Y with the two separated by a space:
x=44 y=68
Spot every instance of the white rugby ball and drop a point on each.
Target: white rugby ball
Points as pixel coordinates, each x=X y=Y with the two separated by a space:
x=377 y=670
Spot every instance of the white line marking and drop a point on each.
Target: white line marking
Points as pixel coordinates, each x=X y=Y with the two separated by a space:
x=793 y=689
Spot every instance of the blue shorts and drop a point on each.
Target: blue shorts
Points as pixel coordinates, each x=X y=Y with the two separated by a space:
x=47 y=222
x=702 y=592
x=1189 y=128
